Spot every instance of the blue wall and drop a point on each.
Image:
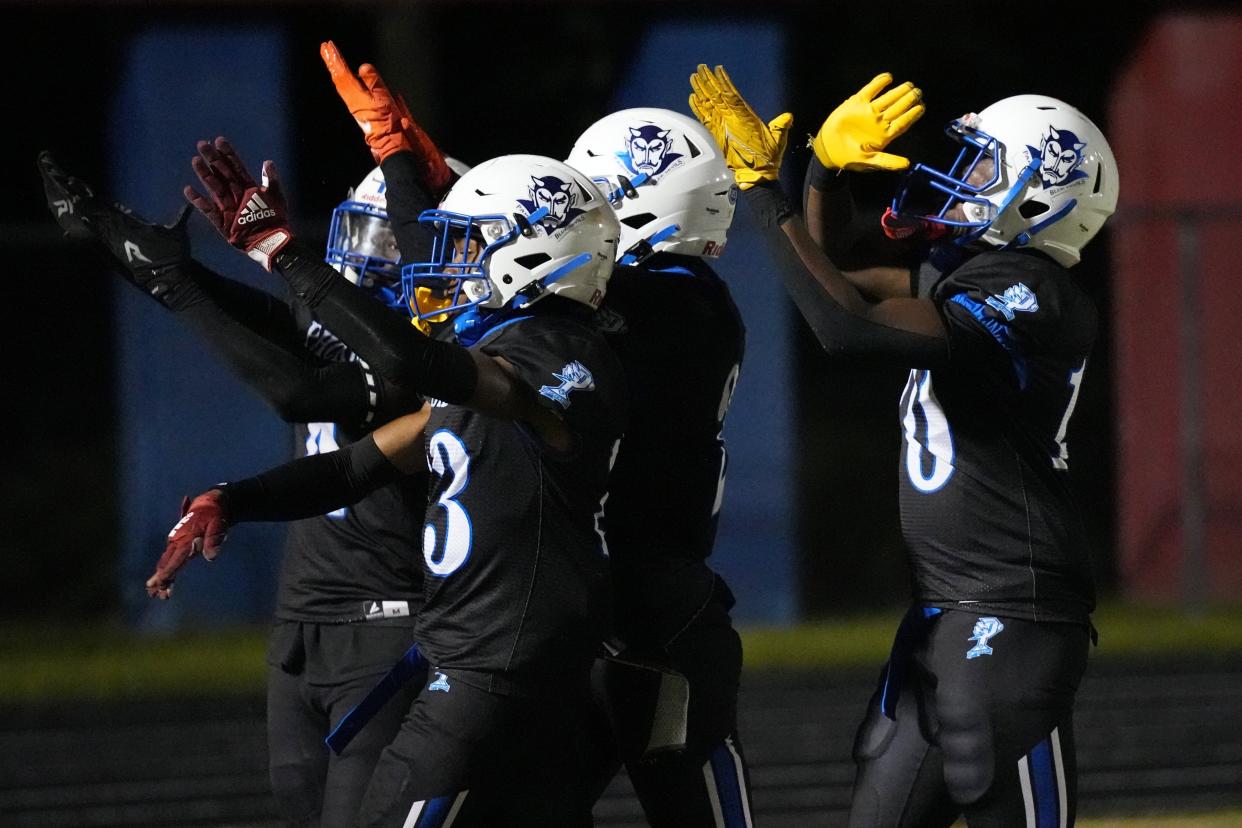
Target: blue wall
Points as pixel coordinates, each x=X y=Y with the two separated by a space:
x=185 y=422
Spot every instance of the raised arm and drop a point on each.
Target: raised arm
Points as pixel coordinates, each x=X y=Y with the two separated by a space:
x=853 y=140
x=904 y=331
x=415 y=170
x=254 y=218
x=253 y=332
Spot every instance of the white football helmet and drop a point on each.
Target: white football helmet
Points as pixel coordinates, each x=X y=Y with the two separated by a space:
x=512 y=230
x=665 y=177
x=361 y=244
x=1033 y=172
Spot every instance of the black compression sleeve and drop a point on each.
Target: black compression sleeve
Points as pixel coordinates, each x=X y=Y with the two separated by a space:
x=840 y=331
x=256 y=335
x=390 y=344
x=407 y=199
x=310 y=486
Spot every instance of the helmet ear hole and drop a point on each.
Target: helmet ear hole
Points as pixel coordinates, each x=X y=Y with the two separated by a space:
x=638 y=220
x=1031 y=209
x=530 y=261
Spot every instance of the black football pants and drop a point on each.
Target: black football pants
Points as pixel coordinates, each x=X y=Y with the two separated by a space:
x=467 y=757
x=983 y=726
x=316 y=674
x=707 y=785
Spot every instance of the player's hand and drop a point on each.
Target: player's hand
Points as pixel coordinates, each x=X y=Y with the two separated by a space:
x=142 y=251
x=752 y=149
x=856 y=133
x=252 y=217
x=203 y=527
x=385 y=120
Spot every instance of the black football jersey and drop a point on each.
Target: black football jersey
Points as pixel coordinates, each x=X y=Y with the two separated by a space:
x=516 y=596
x=359 y=563
x=986 y=508
x=680 y=340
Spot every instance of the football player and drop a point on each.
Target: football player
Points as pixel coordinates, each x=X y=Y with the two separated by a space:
x=523 y=424
x=674 y=197
x=341 y=567
x=974 y=714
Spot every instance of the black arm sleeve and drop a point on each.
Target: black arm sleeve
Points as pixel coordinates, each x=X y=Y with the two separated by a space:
x=390 y=344
x=836 y=201
x=257 y=336
x=407 y=199
x=853 y=239
x=310 y=486
x=840 y=331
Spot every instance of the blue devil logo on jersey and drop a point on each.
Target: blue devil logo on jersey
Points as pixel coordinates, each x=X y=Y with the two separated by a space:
x=557 y=195
x=441 y=683
x=1016 y=299
x=985 y=629
x=573 y=377
x=1060 y=154
x=647 y=150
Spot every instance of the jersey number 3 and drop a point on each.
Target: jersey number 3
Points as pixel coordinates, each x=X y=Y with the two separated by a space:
x=447 y=456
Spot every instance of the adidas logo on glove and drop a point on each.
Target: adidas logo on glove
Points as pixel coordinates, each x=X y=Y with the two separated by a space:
x=256 y=209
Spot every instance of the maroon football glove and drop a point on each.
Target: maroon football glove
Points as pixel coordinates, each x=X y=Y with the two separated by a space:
x=250 y=216
x=203 y=528
x=915 y=227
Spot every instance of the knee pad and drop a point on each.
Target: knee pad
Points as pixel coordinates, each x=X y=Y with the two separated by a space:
x=965 y=740
x=874 y=735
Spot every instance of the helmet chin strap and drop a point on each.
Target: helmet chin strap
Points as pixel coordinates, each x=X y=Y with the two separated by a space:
x=628 y=189
x=1025 y=237
x=643 y=249
x=470 y=326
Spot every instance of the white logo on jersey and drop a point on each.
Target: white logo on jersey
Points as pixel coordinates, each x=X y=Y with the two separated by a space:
x=1017 y=298
x=574 y=377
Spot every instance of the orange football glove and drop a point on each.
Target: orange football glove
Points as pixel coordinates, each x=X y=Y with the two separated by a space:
x=385 y=120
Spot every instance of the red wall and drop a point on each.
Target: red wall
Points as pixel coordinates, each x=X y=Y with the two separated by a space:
x=1176 y=128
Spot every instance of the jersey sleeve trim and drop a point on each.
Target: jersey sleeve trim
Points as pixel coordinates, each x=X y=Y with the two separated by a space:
x=999 y=332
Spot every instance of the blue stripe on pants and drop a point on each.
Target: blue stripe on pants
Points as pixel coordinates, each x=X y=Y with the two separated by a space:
x=1044 y=783
x=728 y=787
x=436 y=811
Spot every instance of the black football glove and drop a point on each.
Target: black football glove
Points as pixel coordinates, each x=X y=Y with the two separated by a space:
x=153 y=257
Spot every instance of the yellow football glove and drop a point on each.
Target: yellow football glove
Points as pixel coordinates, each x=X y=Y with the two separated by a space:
x=855 y=133
x=752 y=149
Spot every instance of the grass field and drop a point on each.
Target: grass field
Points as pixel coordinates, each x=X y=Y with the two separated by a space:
x=1220 y=819
x=110 y=663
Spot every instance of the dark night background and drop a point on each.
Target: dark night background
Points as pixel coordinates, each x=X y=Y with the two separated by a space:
x=478 y=77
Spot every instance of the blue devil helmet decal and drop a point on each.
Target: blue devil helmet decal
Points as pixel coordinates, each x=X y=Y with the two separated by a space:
x=1060 y=155
x=666 y=179
x=556 y=196
x=1032 y=172
x=511 y=231
x=648 y=149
